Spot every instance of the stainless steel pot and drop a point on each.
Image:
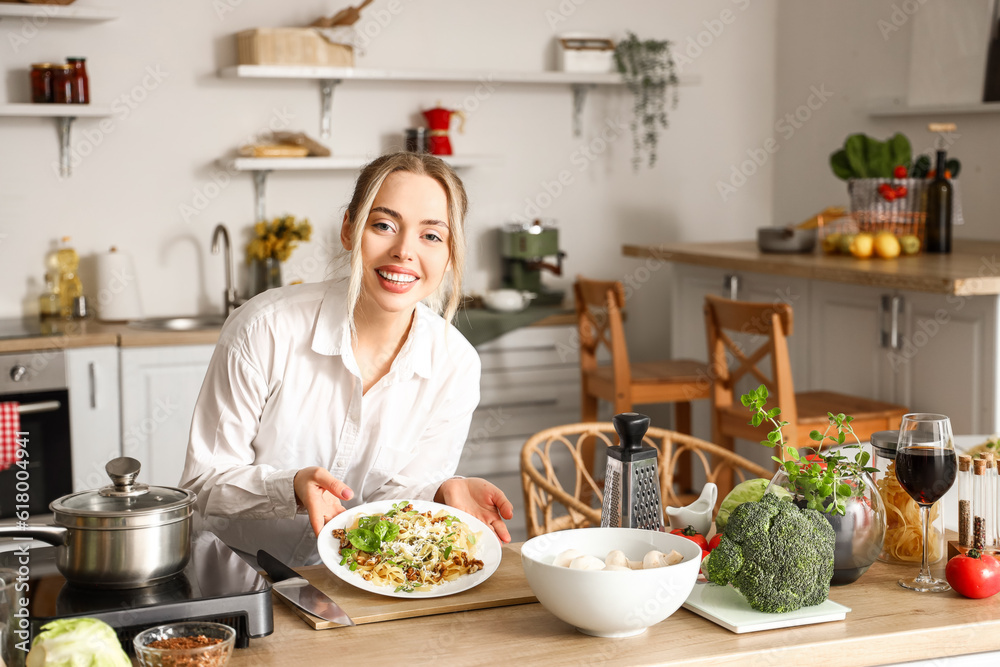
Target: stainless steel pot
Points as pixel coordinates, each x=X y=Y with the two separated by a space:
x=125 y=535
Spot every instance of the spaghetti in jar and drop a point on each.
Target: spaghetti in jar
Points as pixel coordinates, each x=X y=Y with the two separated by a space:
x=903 y=530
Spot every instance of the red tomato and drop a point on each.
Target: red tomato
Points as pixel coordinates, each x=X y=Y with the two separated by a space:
x=889 y=195
x=692 y=535
x=703 y=554
x=714 y=542
x=901 y=191
x=884 y=187
x=974 y=577
x=899 y=172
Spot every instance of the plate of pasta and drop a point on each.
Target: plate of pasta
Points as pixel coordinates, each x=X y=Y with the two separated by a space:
x=403 y=548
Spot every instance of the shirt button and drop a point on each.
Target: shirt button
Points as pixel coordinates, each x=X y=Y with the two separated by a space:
x=341 y=463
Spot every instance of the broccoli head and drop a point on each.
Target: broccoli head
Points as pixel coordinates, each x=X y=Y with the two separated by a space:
x=778 y=556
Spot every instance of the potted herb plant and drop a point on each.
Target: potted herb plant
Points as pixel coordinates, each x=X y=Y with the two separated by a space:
x=836 y=483
x=649 y=71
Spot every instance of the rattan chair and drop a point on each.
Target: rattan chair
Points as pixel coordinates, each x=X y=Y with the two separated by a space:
x=561 y=493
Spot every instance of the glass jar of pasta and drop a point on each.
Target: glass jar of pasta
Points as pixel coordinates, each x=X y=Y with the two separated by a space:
x=903 y=533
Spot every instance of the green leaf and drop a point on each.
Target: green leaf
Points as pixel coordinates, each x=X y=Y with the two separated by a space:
x=841 y=166
x=856 y=150
x=364 y=539
x=773 y=412
x=879 y=159
x=756 y=419
x=900 y=152
x=816 y=435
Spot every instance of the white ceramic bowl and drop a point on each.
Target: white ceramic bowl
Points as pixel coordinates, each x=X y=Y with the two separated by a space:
x=610 y=603
x=507 y=300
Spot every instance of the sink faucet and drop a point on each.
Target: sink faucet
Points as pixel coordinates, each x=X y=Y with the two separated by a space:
x=232 y=301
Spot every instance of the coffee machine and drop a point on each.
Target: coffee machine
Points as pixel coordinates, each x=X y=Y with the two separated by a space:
x=523 y=249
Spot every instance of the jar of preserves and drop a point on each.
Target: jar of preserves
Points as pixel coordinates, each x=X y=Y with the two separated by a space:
x=41 y=83
x=903 y=530
x=62 y=84
x=81 y=82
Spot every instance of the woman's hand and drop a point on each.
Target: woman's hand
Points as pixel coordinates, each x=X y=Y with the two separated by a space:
x=480 y=499
x=320 y=493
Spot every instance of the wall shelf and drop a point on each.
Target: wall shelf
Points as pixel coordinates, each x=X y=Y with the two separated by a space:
x=260 y=167
x=64 y=114
x=56 y=12
x=893 y=111
x=329 y=77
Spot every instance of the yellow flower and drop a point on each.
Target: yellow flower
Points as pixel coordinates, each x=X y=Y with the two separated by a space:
x=278 y=238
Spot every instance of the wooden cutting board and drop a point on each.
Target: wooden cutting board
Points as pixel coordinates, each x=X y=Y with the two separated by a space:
x=507 y=586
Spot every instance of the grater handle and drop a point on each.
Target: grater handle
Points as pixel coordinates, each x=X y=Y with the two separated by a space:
x=631 y=427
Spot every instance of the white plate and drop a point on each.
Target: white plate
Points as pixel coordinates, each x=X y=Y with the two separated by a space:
x=487 y=550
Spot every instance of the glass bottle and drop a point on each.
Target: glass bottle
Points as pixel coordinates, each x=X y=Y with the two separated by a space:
x=69 y=282
x=939 y=204
x=978 y=497
x=49 y=306
x=81 y=82
x=989 y=493
x=965 y=500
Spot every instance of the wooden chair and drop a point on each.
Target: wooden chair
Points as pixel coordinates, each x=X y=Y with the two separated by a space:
x=804 y=411
x=572 y=499
x=622 y=383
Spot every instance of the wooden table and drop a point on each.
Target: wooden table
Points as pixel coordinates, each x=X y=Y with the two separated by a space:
x=887 y=624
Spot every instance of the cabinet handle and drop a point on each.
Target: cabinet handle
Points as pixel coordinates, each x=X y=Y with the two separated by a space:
x=891 y=306
x=92 y=374
x=731 y=283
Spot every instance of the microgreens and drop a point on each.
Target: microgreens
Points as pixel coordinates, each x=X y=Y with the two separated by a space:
x=823 y=480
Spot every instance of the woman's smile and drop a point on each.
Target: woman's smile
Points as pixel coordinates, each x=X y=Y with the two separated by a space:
x=396 y=279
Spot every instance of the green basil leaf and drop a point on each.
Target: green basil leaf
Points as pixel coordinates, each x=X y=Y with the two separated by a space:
x=364 y=539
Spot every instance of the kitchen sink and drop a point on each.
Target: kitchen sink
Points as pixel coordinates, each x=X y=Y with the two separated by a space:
x=195 y=323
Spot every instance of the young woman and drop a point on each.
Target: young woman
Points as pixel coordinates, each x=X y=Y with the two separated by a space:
x=327 y=395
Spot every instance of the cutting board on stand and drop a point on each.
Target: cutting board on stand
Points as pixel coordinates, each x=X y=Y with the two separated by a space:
x=507 y=586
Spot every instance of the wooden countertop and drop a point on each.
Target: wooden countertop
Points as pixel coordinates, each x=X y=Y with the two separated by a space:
x=887 y=624
x=972 y=269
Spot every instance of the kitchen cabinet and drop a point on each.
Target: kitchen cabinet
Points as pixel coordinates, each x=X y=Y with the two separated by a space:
x=95 y=431
x=530 y=382
x=159 y=387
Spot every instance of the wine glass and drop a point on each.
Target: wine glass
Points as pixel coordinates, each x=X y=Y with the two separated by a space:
x=926 y=467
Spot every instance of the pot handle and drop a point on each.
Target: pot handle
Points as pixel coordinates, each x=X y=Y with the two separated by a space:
x=55 y=535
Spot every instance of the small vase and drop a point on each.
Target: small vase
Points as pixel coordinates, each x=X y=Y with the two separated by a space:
x=860 y=530
x=264 y=274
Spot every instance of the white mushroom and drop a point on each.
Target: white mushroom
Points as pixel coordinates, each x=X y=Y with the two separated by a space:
x=616 y=558
x=617 y=568
x=564 y=559
x=586 y=563
x=654 y=559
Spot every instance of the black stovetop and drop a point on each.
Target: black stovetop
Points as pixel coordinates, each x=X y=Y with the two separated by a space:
x=216 y=585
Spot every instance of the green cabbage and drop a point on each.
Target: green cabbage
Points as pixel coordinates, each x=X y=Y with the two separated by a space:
x=77 y=642
x=751 y=490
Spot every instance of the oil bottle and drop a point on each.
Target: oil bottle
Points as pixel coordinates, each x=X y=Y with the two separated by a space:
x=69 y=282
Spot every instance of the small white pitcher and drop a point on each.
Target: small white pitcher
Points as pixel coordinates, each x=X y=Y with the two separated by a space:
x=698 y=514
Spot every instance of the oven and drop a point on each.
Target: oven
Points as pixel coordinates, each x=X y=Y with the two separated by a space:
x=37 y=380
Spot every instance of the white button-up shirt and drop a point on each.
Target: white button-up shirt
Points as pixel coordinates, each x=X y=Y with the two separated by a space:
x=283 y=392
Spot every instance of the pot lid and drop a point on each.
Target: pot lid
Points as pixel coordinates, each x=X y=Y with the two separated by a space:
x=124 y=496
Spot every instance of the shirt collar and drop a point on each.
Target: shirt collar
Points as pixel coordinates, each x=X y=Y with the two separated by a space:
x=332 y=335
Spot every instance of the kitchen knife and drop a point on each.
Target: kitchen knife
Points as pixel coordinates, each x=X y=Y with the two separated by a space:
x=290 y=585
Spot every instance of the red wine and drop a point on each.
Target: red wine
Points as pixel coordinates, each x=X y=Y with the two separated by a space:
x=940 y=195
x=926 y=472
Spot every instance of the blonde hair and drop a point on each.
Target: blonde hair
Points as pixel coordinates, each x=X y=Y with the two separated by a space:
x=446 y=298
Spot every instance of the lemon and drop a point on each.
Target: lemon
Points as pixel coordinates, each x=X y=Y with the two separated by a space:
x=909 y=244
x=886 y=245
x=862 y=245
x=831 y=243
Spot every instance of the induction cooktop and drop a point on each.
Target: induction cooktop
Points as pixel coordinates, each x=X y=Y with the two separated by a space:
x=216 y=585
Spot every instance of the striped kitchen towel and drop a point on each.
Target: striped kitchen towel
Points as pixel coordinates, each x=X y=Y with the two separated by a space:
x=10 y=424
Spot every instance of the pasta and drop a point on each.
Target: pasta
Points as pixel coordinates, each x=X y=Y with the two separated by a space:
x=903 y=531
x=408 y=549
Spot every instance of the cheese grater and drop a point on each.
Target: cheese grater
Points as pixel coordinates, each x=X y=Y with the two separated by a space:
x=632 y=479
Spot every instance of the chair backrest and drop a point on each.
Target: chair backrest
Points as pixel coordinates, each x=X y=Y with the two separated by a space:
x=552 y=501
x=772 y=321
x=599 y=305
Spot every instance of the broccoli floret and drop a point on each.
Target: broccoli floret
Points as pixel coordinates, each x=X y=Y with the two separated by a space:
x=778 y=556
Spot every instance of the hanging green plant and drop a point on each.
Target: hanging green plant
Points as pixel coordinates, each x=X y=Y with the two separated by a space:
x=649 y=71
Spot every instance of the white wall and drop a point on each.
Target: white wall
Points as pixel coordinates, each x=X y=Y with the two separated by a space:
x=129 y=190
x=860 y=51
